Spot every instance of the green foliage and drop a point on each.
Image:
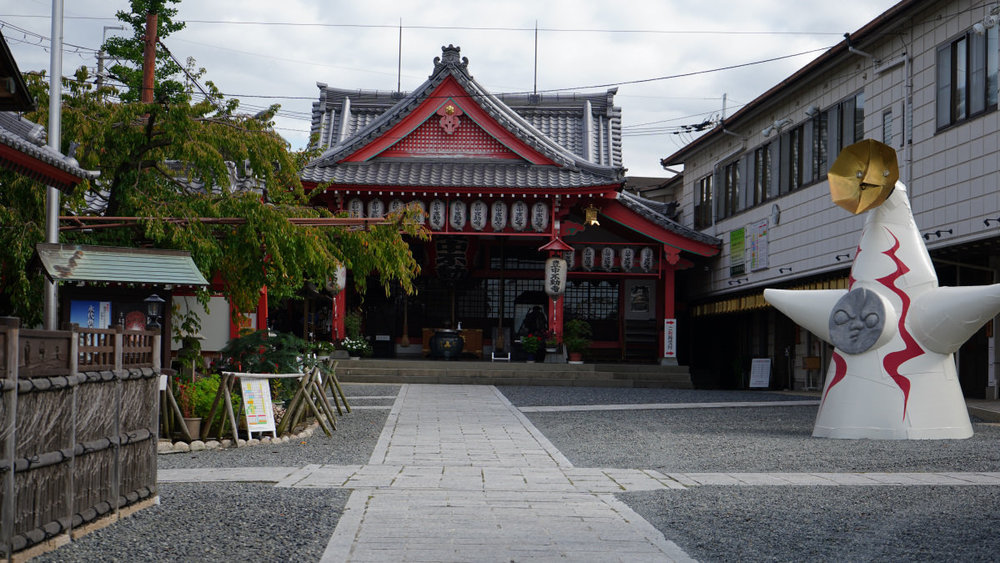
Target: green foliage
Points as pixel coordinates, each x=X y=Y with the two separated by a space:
x=195 y=399
x=576 y=335
x=259 y=352
x=357 y=346
x=352 y=324
x=169 y=165
x=531 y=343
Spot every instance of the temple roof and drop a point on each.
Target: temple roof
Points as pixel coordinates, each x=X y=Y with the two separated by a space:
x=23 y=149
x=523 y=140
x=656 y=212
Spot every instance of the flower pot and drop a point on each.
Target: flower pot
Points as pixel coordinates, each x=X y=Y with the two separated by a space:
x=193 y=427
x=576 y=357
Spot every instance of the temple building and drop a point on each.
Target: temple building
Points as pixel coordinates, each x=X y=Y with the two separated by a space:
x=503 y=182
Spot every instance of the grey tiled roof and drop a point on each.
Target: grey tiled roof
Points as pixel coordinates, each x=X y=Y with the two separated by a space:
x=553 y=125
x=479 y=175
x=655 y=211
x=29 y=138
x=65 y=262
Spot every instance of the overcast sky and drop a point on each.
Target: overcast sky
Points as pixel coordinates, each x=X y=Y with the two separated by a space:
x=264 y=52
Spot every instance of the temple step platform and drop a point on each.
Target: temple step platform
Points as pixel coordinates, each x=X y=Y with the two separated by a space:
x=369 y=370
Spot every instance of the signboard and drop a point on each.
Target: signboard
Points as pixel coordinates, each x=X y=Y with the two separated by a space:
x=91 y=314
x=670 y=338
x=757 y=250
x=737 y=252
x=760 y=373
x=257 y=404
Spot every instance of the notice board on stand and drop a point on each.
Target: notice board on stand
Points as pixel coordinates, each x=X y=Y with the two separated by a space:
x=760 y=373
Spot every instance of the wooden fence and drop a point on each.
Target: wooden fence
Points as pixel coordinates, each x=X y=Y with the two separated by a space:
x=78 y=429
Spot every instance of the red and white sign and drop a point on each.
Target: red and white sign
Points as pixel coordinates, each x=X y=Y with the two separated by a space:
x=670 y=338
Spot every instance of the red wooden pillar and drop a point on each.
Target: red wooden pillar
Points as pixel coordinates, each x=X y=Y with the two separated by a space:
x=337 y=310
x=556 y=316
x=669 y=329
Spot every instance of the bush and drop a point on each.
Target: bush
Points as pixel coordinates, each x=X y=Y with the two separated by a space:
x=576 y=336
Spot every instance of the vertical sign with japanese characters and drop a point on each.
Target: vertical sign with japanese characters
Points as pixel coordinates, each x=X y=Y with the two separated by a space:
x=670 y=338
x=257 y=404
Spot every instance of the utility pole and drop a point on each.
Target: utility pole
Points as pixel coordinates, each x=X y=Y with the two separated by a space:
x=101 y=54
x=50 y=311
x=149 y=59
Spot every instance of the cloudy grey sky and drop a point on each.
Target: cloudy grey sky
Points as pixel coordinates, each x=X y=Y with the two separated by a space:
x=264 y=52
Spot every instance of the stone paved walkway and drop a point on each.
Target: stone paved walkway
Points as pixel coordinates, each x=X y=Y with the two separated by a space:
x=459 y=474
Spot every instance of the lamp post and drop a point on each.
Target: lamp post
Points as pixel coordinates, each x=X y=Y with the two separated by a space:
x=154 y=307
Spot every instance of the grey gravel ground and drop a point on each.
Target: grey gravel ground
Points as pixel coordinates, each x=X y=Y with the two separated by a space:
x=218 y=522
x=241 y=521
x=715 y=523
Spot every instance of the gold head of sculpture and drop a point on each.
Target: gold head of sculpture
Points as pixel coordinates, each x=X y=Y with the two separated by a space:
x=863 y=175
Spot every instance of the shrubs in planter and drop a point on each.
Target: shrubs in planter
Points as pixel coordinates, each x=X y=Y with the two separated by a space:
x=531 y=344
x=576 y=336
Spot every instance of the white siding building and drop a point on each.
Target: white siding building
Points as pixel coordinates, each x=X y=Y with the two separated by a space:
x=922 y=77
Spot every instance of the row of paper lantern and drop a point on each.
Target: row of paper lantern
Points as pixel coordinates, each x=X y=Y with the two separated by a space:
x=457 y=213
x=626 y=256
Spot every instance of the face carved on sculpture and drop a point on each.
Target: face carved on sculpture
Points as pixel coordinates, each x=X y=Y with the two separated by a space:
x=857 y=320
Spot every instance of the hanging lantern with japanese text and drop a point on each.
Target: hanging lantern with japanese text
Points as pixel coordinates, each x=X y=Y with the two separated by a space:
x=646 y=259
x=437 y=214
x=540 y=216
x=477 y=214
x=627 y=258
x=519 y=215
x=607 y=258
x=555 y=277
x=498 y=216
x=356 y=208
x=376 y=209
x=589 y=256
x=457 y=215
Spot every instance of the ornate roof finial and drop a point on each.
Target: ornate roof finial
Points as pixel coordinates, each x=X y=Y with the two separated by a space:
x=450 y=56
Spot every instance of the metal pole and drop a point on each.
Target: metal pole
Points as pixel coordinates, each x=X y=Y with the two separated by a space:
x=51 y=297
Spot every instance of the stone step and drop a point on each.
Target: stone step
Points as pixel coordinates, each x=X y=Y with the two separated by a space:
x=513 y=373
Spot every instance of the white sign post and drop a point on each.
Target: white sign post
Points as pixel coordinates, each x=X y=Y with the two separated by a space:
x=669 y=342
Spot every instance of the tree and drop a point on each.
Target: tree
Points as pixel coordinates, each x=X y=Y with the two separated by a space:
x=180 y=159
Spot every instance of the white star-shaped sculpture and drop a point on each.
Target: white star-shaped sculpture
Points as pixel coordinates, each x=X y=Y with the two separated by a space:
x=895 y=333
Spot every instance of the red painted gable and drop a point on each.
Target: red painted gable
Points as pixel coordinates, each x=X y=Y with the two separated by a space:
x=425 y=132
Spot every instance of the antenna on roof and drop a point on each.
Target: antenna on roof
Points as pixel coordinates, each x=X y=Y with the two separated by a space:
x=534 y=89
x=399 y=60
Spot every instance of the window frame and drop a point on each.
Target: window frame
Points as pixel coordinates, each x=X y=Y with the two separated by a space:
x=966 y=77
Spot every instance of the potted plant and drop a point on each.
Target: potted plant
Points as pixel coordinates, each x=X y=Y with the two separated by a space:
x=551 y=342
x=576 y=336
x=356 y=346
x=531 y=344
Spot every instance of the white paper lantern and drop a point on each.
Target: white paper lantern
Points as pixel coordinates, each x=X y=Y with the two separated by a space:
x=356 y=208
x=540 y=216
x=376 y=209
x=478 y=212
x=555 y=277
x=607 y=258
x=570 y=257
x=498 y=216
x=396 y=205
x=646 y=259
x=437 y=215
x=422 y=214
x=457 y=215
x=519 y=215
x=627 y=258
x=589 y=255
x=337 y=283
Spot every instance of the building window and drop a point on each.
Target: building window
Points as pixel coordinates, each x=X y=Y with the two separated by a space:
x=820 y=142
x=795 y=158
x=887 y=127
x=851 y=125
x=703 y=205
x=966 y=77
x=591 y=301
x=731 y=189
x=761 y=173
